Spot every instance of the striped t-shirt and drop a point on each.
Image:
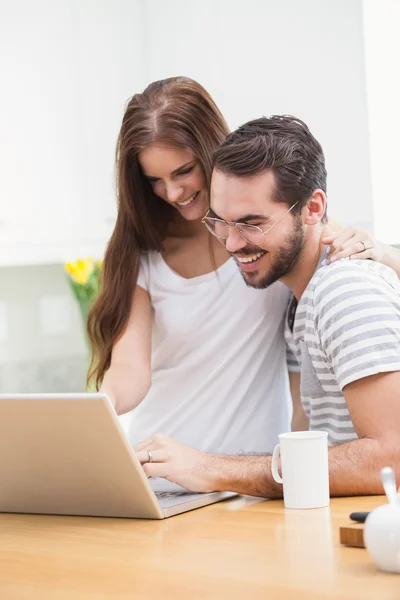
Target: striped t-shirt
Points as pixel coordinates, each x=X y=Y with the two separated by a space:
x=346 y=327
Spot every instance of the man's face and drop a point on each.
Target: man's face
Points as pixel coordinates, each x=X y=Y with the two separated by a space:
x=251 y=200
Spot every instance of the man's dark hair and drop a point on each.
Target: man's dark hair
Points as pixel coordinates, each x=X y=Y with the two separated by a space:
x=282 y=144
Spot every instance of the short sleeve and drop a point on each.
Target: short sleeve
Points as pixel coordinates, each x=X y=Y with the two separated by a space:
x=143 y=276
x=291 y=360
x=357 y=320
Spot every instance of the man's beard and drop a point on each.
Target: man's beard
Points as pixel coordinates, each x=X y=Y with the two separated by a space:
x=284 y=260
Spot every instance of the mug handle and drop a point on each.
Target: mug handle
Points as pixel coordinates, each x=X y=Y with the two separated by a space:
x=274 y=464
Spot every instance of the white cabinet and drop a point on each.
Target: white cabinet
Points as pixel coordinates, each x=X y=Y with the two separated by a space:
x=68 y=67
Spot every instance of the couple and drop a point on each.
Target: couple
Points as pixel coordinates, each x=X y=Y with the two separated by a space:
x=178 y=335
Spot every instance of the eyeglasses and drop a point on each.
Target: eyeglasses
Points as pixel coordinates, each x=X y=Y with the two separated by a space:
x=252 y=234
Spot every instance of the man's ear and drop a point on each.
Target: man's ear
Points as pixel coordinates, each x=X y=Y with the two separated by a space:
x=315 y=208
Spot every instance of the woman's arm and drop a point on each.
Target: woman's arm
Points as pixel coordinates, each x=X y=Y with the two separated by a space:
x=390 y=257
x=128 y=379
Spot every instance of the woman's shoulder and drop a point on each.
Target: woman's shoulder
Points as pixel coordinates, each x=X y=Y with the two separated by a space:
x=149 y=258
x=148 y=263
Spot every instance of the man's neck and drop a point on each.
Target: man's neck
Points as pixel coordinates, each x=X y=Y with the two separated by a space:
x=307 y=263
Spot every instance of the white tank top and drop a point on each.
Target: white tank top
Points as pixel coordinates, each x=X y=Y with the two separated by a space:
x=219 y=374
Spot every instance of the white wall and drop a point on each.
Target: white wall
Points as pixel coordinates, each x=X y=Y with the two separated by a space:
x=259 y=57
x=68 y=67
x=382 y=52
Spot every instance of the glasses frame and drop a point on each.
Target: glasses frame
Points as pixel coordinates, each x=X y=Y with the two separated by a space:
x=234 y=224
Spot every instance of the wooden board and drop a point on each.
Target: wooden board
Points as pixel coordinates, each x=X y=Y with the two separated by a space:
x=352 y=535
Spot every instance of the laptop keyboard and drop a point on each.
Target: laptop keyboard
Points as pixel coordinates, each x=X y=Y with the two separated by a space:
x=168 y=499
x=163 y=495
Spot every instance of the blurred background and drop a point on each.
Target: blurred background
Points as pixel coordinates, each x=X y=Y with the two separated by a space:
x=68 y=68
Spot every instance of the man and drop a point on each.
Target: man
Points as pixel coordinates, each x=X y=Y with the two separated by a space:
x=268 y=206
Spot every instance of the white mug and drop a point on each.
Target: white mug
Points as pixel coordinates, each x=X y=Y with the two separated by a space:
x=305 y=468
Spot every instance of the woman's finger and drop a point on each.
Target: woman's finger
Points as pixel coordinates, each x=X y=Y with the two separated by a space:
x=328 y=239
x=329 y=236
x=369 y=253
x=357 y=240
x=354 y=254
x=335 y=249
x=347 y=250
x=344 y=237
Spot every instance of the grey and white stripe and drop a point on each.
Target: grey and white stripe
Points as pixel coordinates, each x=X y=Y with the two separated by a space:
x=347 y=327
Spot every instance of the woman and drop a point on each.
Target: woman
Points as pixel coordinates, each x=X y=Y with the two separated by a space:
x=176 y=333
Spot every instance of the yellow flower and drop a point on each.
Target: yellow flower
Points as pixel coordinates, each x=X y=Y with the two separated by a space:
x=80 y=270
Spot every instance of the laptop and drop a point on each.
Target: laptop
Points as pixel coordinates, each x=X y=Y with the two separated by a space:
x=67 y=454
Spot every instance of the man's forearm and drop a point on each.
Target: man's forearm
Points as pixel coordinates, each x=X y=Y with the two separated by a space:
x=248 y=475
x=354 y=468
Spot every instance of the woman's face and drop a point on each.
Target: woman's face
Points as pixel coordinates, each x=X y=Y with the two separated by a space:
x=176 y=176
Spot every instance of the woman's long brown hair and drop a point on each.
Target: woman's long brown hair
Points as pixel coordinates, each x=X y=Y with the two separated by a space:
x=179 y=112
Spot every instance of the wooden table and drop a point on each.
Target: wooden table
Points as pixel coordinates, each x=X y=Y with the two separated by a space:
x=239 y=549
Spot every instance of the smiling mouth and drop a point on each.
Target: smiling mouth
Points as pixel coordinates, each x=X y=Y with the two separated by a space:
x=189 y=201
x=251 y=261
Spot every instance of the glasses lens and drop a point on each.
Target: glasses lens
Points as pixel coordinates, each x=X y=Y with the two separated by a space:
x=217 y=228
x=250 y=234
